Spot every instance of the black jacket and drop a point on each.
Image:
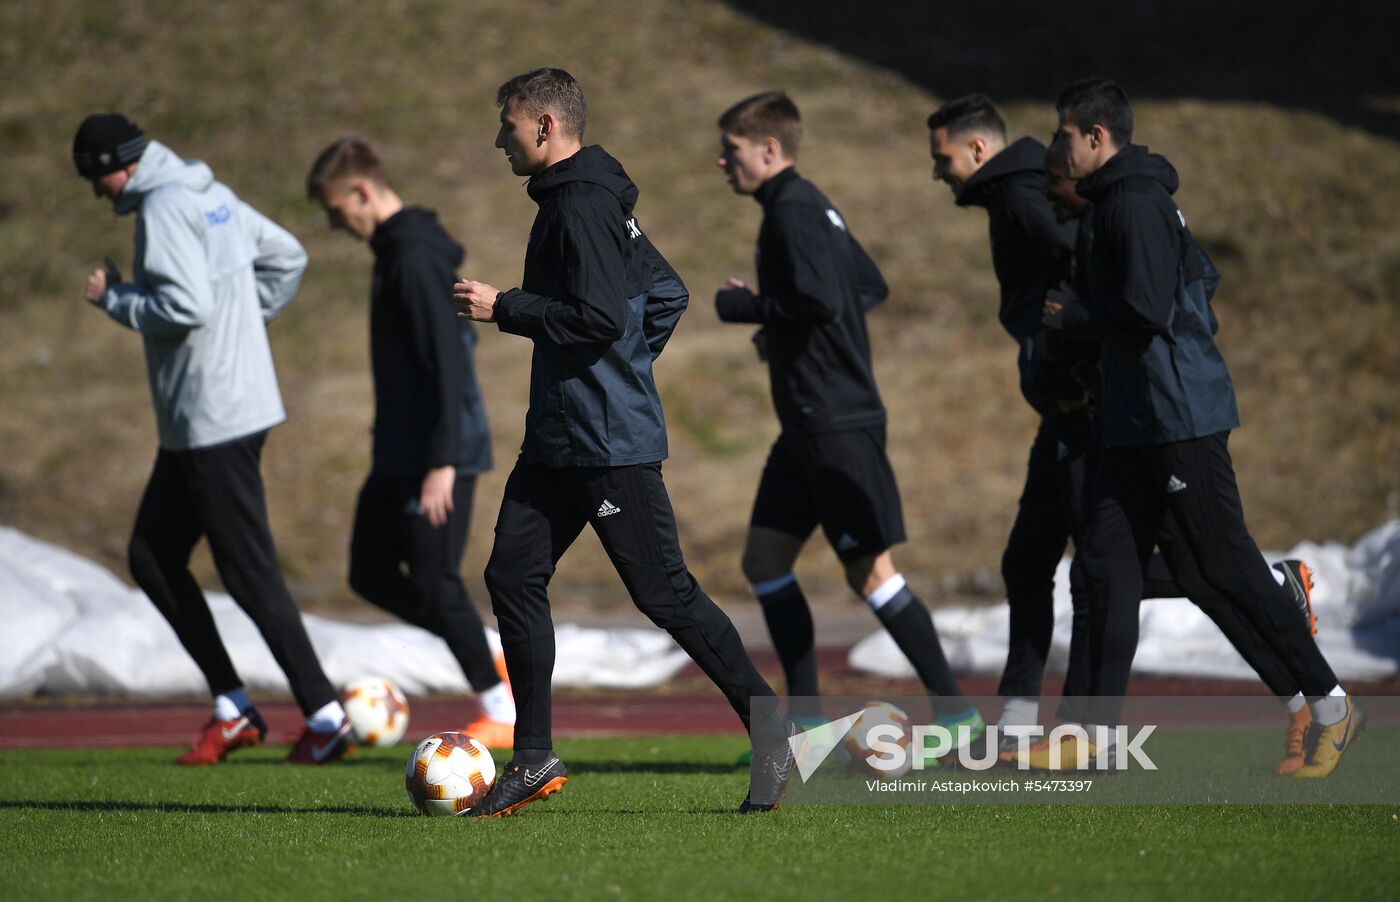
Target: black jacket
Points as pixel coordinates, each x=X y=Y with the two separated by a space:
x=427 y=406
x=599 y=302
x=1164 y=379
x=1029 y=248
x=815 y=284
x=1075 y=358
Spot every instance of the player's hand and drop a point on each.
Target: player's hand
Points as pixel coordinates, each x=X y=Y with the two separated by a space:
x=96 y=287
x=475 y=300
x=732 y=282
x=436 y=499
x=1056 y=300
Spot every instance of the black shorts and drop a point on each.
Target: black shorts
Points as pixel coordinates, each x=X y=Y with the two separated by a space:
x=841 y=480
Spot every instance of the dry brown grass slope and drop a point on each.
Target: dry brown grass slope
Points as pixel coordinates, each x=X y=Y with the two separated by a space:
x=1299 y=211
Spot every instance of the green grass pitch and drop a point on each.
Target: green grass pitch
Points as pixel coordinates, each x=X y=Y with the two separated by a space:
x=640 y=818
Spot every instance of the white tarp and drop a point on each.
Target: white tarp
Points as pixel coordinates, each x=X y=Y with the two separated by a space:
x=68 y=626
x=1356 y=599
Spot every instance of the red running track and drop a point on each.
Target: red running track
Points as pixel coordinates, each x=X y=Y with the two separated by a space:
x=94 y=726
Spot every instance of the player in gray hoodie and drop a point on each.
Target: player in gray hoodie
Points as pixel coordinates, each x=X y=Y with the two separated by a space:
x=209 y=273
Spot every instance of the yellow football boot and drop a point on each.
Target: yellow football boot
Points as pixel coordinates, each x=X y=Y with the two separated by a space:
x=1069 y=751
x=1332 y=741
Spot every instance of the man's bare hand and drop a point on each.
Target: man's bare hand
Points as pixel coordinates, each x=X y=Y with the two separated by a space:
x=475 y=300
x=96 y=287
x=733 y=282
x=437 y=495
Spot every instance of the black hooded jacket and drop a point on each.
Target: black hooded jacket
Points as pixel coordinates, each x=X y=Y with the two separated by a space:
x=1164 y=379
x=428 y=411
x=599 y=302
x=815 y=284
x=1029 y=253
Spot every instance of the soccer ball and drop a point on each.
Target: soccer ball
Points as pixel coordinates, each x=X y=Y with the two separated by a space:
x=878 y=714
x=377 y=711
x=448 y=773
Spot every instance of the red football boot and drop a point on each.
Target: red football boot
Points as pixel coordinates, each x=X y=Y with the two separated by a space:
x=321 y=748
x=219 y=737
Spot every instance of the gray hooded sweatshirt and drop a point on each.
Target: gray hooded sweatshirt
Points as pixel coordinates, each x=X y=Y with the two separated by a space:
x=209 y=273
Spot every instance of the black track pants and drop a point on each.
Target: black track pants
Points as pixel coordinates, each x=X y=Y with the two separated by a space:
x=1059 y=481
x=1050 y=513
x=1191 y=485
x=402 y=564
x=543 y=511
x=217 y=493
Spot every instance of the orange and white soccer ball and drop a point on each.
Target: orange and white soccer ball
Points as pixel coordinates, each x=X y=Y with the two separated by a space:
x=448 y=773
x=377 y=711
x=891 y=719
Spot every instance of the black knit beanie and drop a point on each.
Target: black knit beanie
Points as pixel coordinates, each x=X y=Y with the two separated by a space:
x=106 y=142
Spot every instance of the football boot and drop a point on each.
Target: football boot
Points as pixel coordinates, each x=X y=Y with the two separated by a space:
x=217 y=738
x=520 y=784
x=1328 y=743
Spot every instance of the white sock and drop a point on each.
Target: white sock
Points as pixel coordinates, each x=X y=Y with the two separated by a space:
x=1277 y=574
x=886 y=590
x=327 y=718
x=231 y=705
x=1331 y=708
x=1296 y=703
x=1020 y=712
x=498 y=704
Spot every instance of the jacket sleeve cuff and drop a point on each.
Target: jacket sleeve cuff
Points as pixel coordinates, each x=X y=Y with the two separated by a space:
x=439 y=456
x=735 y=305
x=508 y=312
x=117 y=303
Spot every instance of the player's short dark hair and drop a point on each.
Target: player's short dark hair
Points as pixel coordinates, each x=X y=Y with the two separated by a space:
x=1098 y=101
x=969 y=113
x=771 y=114
x=347 y=157
x=549 y=90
